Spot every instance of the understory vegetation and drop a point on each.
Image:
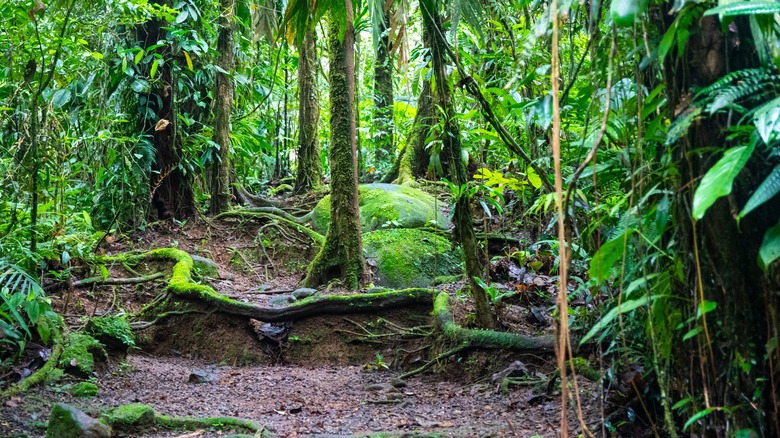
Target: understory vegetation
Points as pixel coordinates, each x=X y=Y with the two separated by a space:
x=610 y=168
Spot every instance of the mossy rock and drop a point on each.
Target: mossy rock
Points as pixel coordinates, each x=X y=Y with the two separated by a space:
x=78 y=357
x=112 y=331
x=68 y=422
x=84 y=389
x=410 y=257
x=387 y=206
x=134 y=417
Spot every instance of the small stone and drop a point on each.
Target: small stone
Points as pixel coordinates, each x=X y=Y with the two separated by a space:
x=303 y=292
x=201 y=376
x=394 y=396
x=398 y=383
x=68 y=422
x=376 y=387
x=264 y=287
x=282 y=300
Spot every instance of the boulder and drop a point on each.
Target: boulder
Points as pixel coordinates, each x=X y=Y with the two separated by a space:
x=68 y=422
x=385 y=206
x=410 y=257
x=78 y=357
x=134 y=417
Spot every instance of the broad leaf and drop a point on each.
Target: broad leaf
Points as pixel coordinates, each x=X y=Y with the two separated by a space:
x=602 y=262
x=718 y=181
x=614 y=312
x=766 y=191
x=770 y=248
x=754 y=7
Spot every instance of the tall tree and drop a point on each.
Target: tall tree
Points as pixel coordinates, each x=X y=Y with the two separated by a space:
x=341 y=255
x=172 y=194
x=223 y=103
x=382 y=125
x=309 y=173
x=451 y=153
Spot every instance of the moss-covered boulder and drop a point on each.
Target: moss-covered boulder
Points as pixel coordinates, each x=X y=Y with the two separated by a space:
x=68 y=422
x=134 y=417
x=112 y=331
x=78 y=356
x=387 y=206
x=410 y=257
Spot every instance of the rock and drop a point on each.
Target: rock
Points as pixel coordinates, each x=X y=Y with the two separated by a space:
x=205 y=267
x=410 y=258
x=303 y=292
x=202 y=376
x=264 y=287
x=68 y=422
x=377 y=387
x=134 y=418
x=84 y=389
x=515 y=369
x=112 y=331
x=282 y=300
x=388 y=206
x=398 y=383
x=78 y=357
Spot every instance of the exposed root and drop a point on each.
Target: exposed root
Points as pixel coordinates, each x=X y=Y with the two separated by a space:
x=436 y=360
x=100 y=281
x=181 y=284
x=40 y=375
x=143 y=325
x=299 y=227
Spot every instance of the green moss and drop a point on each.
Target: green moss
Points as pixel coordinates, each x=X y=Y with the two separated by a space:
x=84 y=389
x=54 y=376
x=387 y=206
x=78 y=355
x=112 y=331
x=133 y=417
x=367 y=299
x=185 y=423
x=583 y=368
x=67 y=422
x=410 y=257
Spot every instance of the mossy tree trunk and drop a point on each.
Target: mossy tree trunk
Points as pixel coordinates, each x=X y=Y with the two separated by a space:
x=309 y=174
x=412 y=161
x=454 y=166
x=382 y=125
x=223 y=103
x=172 y=194
x=341 y=255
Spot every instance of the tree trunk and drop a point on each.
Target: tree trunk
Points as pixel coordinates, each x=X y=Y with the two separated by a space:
x=309 y=174
x=721 y=256
x=171 y=190
x=382 y=125
x=455 y=167
x=223 y=103
x=341 y=255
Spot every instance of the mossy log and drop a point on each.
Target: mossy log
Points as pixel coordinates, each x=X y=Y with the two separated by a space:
x=181 y=284
x=136 y=417
x=484 y=338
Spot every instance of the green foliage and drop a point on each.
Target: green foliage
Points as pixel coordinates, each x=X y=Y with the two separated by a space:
x=23 y=306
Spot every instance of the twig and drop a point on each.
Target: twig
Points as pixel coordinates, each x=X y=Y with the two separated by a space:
x=436 y=360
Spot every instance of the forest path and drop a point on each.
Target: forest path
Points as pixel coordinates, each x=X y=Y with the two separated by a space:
x=299 y=401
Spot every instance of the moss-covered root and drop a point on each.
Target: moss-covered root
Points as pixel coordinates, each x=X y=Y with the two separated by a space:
x=484 y=338
x=38 y=376
x=135 y=418
x=181 y=284
x=272 y=213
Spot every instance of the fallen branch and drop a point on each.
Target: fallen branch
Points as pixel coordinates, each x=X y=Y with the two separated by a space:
x=100 y=281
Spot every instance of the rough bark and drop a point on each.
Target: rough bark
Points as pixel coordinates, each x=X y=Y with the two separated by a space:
x=745 y=321
x=455 y=168
x=382 y=125
x=171 y=190
x=223 y=103
x=342 y=253
x=309 y=173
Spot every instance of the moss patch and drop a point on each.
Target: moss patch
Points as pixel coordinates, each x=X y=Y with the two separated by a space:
x=112 y=331
x=78 y=356
x=133 y=417
x=84 y=389
x=68 y=422
x=410 y=257
x=387 y=206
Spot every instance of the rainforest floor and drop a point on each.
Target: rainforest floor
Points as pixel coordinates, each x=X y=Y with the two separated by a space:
x=329 y=382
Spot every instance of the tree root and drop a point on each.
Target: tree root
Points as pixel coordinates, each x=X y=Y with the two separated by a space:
x=245 y=214
x=100 y=281
x=143 y=325
x=181 y=285
x=40 y=375
x=436 y=360
x=484 y=338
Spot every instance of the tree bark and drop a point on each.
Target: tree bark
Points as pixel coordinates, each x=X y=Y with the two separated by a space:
x=171 y=190
x=454 y=166
x=223 y=103
x=341 y=255
x=382 y=125
x=309 y=173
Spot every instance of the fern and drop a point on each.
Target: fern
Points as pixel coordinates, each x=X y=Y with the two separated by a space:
x=756 y=84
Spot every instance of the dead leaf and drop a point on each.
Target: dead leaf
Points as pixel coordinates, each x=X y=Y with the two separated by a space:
x=161 y=125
